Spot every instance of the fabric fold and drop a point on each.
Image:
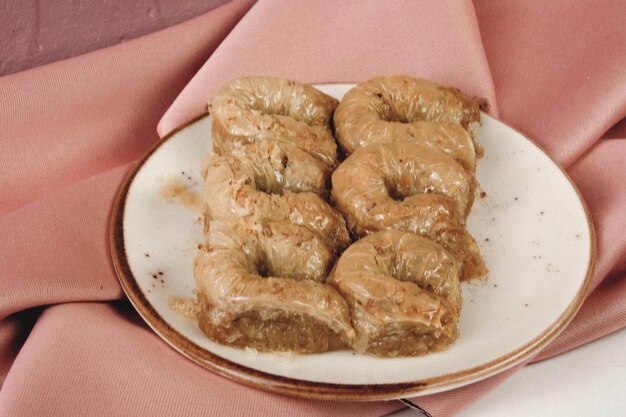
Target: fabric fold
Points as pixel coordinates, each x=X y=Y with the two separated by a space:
x=69 y=132
x=135 y=374
x=321 y=43
x=74 y=118
x=558 y=69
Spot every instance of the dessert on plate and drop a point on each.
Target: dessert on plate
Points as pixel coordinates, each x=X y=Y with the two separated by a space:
x=278 y=269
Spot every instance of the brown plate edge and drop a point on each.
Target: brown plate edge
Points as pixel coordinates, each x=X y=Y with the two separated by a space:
x=318 y=390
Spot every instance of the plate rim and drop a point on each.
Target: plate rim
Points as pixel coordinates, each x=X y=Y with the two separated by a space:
x=322 y=390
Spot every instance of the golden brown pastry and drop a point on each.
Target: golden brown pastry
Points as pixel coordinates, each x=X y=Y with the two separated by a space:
x=255 y=109
x=276 y=167
x=271 y=238
x=409 y=186
x=403 y=293
x=261 y=285
x=399 y=108
x=377 y=174
x=273 y=181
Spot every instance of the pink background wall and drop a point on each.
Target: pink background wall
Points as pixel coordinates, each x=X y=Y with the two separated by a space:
x=36 y=32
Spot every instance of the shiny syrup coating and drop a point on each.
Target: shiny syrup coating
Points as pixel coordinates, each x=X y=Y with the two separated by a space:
x=400 y=108
x=271 y=237
x=411 y=187
x=254 y=109
x=403 y=292
x=261 y=285
x=274 y=181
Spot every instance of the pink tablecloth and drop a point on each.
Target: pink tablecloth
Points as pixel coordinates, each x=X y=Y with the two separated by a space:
x=71 y=130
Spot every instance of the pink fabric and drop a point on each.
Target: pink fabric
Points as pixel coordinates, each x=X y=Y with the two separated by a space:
x=324 y=43
x=70 y=130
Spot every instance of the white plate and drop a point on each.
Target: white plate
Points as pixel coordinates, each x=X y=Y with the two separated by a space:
x=532 y=227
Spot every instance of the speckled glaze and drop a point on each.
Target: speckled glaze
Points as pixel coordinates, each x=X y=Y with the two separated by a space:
x=403 y=292
x=412 y=187
x=237 y=306
x=407 y=109
x=233 y=183
x=244 y=111
x=531 y=224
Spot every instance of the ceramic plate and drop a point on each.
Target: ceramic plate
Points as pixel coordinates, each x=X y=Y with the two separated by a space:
x=532 y=227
